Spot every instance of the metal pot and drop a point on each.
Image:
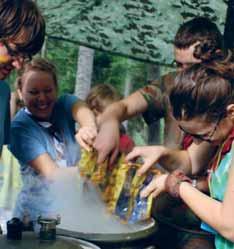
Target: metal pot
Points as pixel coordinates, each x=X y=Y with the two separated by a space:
x=30 y=240
x=140 y=239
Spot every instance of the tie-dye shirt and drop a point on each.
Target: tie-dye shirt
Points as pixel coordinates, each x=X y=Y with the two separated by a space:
x=218 y=185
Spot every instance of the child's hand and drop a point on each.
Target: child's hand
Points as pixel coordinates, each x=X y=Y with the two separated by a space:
x=85 y=136
x=155 y=187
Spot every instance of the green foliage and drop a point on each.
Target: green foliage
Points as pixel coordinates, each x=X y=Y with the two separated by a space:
x=64 y=56
x=140 y=29
x=114 y=69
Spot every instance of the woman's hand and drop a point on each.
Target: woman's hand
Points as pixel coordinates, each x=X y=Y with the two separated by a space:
x=85 y=136
x=149 y=154
x=155 y=187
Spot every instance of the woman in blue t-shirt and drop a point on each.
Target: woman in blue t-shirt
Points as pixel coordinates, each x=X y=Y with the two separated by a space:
x=44 y=138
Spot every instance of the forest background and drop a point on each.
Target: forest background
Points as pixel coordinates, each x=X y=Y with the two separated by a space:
x=125 y=43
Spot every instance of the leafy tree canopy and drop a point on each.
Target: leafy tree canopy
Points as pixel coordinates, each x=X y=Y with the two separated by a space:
x=141 y=29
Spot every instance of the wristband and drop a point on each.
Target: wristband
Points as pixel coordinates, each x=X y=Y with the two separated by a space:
x=194 y=183
x=173 y=181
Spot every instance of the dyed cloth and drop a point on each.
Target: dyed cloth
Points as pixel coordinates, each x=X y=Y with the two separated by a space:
x=30 y=139
x=5 y=95
x=187 y=141
x=218 y=182
x=119 y=186
x=11 y=179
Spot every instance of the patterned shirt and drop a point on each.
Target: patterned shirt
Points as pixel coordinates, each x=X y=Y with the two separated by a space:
x=218 y=183
x=156 y=95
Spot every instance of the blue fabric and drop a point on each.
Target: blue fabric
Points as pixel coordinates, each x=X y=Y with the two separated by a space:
x=5 y=95
x=207 y=228
x=30 y=140
x=218 y=185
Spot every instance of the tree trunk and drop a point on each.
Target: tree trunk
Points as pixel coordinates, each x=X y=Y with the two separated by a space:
x=229 y=24
x=155 y=130
x=44 y=47
x=127 y=85
x=84 y=71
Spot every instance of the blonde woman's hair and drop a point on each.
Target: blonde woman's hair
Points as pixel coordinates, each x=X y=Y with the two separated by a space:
x=37 y=64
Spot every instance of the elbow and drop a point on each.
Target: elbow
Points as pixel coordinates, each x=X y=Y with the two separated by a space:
x=49 y=174
x=225 y=222
x=227 y=229
x=228 y=233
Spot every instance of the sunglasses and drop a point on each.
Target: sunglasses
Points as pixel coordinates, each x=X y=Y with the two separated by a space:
x=15 y=54
x=204 y=137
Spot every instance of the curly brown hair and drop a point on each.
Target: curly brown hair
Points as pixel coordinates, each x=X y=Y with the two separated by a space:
x=204 y=90
x=203 y=31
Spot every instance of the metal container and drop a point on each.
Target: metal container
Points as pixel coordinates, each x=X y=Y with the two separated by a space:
x=141 y=239
x=30 y=240
x=48 y=227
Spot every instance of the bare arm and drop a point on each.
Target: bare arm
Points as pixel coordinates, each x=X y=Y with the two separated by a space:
x=47 y=168
x=107 y=141
x=200 y=156
x=13 y=104
x=44 y=165
x=86 y=119
x=126 y=108
x=83 y=115
x=191 y=161
x=218 y=214
x=169 y=159
x=222 y=217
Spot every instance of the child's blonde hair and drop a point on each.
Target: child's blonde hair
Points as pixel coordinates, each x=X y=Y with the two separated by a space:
x=102 y=95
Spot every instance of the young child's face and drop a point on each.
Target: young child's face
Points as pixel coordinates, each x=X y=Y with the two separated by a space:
x=39 y=93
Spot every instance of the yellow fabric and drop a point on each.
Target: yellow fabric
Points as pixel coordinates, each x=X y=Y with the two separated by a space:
x=115 y=182
x=11 y=179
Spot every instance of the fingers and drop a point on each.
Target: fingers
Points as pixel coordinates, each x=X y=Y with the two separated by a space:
x=155 y=187
x=114 y=155
x=144 y=168
x=106 y=146
x=89 y=133
x=133 y=154
x=102 y=155
x=82 y=143
x=156 y=192
x=102 y=149
x=148 y=189
x=86 y=136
